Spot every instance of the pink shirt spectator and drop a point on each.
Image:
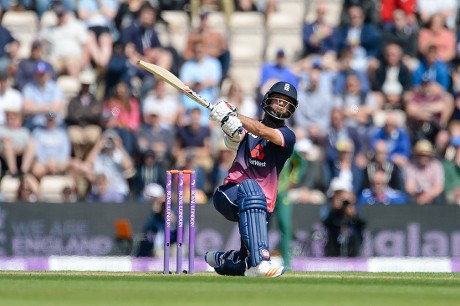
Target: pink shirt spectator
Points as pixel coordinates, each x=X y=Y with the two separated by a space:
x=439 y=35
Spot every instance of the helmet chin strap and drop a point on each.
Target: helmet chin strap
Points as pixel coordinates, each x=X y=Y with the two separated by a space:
x=274 y=123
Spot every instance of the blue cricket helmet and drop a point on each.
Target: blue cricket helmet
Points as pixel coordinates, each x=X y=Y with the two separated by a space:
x=281 y=112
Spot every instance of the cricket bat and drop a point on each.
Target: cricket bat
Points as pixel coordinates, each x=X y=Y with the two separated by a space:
x=171 y=79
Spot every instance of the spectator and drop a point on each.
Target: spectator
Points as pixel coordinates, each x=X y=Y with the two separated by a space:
x=17 y=146
x=193 y=148
x=316 y=102
x=9 y=46
x=167 y=103
x=103 y=192
x=98 y=17
x=67 y=43
x=427 y=8
x=369 y=8
x=214 y=43
x=10 y=98
x=404 y=33
x=319 y=37
x=28 y=189
x=127 y=13
x=125 y=106
x=431 y=68
x=118 y=69
x=343 y=224
x=429 y=109
x=149 y=171
x=396 y=139
x=203 y=74
x=41 y=97
x=154 y=227
x=346 y=67
x=279 y=70
x=379 y=193
x=360 y=36
x=390 y=7
x=381 y=161
x=222 y=163
x=83 y=119
x=53 y=148
x=392 y=79
x=337 y=132
x=142 y=42
x=437 y=34
x=109 y=157
x=246 y=104
x=154 y=135
x=424 y=175
x=452 y=174
x=358 y=107
x=25 y=68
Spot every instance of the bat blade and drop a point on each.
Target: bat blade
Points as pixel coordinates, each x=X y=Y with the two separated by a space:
x=171 y=79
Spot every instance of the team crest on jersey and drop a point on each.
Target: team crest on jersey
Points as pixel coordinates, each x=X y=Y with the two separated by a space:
x=287 y=86
x=265 y=254
x=258 y=152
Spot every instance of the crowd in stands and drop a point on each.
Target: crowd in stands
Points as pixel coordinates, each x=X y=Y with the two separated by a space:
x=378 y=91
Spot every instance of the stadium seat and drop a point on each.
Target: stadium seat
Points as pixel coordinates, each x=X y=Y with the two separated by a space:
x=23 y=25
x=247 y=22
x=249 y=73
x=9 y=188
x=281 y=22
x=295 y=8
x=218 y=23
x=333 y=13
x=290 y=42
x=179 y=28
x=69 y=85
x=48 y=19
x=51 y=187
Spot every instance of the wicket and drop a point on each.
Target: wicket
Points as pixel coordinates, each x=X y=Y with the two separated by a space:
x=180 y=220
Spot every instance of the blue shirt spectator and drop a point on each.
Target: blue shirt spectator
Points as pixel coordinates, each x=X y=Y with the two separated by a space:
x=278 y=71
x=380 y=193
x=318 y=36
x=432 y=69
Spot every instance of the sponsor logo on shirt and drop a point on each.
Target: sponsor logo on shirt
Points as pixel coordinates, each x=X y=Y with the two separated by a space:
x=257 y=154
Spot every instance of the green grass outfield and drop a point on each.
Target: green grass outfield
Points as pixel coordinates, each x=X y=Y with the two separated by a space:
x=293 y=288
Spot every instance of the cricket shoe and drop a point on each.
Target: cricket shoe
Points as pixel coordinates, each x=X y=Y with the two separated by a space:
x=265 y=269
x=214 y=258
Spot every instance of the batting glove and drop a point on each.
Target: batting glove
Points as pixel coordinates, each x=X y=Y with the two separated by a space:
x=221 y=110
x=232 y=125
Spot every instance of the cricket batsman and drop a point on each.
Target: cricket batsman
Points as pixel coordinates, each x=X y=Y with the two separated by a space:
x=248 y=194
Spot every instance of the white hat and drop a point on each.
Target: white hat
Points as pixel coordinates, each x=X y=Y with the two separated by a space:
x=339 y=184
x=87 y=76
x=153 y=191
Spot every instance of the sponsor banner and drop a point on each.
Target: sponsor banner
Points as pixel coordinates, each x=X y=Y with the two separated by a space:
x=88 y=229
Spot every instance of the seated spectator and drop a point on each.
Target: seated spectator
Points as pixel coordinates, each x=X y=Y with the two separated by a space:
x=245 y=103
x=41 y=97
x=403 y=32
x=67 y=43
x=369 y=8
x=346 y=67
x=127 y=12
x=116 y=71
x=424 y=175
x=168 y=104
x=102 y=191
x=28 y=189
x=392 y=79
x=315 y=96
x=343 y=224
x=192 y=148
x=83 y=119
x=203 y=74
x=154 y=135
x=214 y=42
x=10 y=98
x=109 y=157
x=149 y=171
x=358 y=107
x=432 y=69
x=279 y=70
x=125 y=106
x=397 y=140
x=452 y=174
x=9 y=46
x=25 y=69
x=17 y=148
x=379 y=193
x=427 y=8
x=319 y=37
x=381 y=161
x=389 y=8
x=437 y=34
x=53 y=148
x=359 y=35
x=429 y=108
x=98 y=17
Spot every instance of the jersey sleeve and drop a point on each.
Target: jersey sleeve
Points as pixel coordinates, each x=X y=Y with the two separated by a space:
x=289 y=139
